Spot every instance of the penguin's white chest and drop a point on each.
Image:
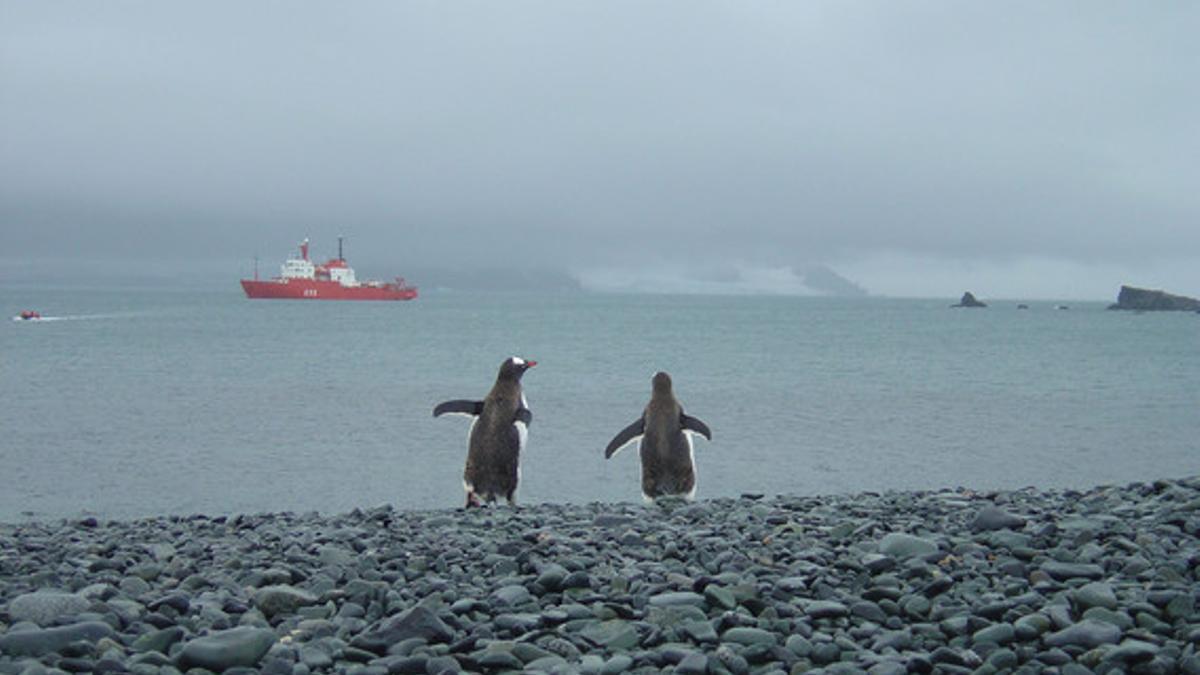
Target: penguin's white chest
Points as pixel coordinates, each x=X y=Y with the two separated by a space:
x=522 y=428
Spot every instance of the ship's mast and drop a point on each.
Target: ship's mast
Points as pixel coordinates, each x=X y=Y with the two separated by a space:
x=340 y=249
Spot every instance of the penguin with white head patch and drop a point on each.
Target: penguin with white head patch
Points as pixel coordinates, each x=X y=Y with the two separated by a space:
x=497 y=435
x=668 y=463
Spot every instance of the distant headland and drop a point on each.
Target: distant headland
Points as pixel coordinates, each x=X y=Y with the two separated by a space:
x=1144 y=300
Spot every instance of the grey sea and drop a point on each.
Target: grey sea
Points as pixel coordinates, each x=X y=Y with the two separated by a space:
x=130 y=403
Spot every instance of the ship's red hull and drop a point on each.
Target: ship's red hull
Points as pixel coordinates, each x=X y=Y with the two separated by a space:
x=312 y=289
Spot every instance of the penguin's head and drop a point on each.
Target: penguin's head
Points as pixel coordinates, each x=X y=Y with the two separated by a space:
x=514 y=367
x=661 y=384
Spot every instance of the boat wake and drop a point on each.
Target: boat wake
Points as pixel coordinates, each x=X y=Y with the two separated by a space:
x=80 y=317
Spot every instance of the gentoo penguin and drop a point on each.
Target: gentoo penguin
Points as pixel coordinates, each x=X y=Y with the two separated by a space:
x=668 y=464
x=497 y=435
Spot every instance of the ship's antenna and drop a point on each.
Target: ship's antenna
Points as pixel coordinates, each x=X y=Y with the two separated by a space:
x=256 y=268
x=340 y=249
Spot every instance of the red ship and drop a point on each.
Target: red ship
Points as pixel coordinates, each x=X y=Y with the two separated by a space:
x=300 y=279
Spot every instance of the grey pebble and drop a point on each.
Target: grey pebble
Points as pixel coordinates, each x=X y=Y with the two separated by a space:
x=1088 y=634
x=994 y=518
x=41 y=641
x=1063 y=571
x=901 y=545
x=45 y=607
x=222 y=650
x=693 y=664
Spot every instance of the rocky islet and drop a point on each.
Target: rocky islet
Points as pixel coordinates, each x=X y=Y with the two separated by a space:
x=949 y=581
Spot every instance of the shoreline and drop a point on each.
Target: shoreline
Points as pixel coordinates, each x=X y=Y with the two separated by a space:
x=949 y=581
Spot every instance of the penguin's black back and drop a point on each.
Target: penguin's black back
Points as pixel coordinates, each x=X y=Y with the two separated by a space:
x=666 y=451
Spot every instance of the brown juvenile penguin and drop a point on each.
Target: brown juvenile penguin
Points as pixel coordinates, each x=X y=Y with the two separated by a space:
x=668 y=461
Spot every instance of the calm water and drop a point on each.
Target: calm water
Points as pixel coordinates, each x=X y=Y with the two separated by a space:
x=141 y=402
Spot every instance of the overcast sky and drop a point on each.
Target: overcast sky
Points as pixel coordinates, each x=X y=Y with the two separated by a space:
x=1012 y=148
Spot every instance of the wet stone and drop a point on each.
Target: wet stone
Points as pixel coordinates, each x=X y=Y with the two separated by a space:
x=226 y=649
x=1087 y=634
x=282 y=599
x=38 y=642
x=158 y=640
x=613 y=634
x=1000 y=634
x=994 y=518
x=510 y=596
x=826 y=609
x=1096 y=594
x=619 y=663
x=1030 y=626
x=748 y=636
x=1119 y=619
x=700 y=631
x=677 y=598
x=1133 y=651
x=693 y=664
x=46 y=607
x=1062 y=571
x=901 y=545
x=719 y=596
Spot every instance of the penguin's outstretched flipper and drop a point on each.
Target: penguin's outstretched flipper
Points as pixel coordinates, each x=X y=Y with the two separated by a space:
x=693 y=424
x=626 y=436
x=458 y=407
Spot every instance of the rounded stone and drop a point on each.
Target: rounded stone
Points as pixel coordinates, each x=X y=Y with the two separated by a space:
x=46 y=607
x=901 y=545
x=220 y=651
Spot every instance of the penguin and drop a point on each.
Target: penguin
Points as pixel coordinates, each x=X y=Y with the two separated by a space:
x=668 y=461
x=497 y=435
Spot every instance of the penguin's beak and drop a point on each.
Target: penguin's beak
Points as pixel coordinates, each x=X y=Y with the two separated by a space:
x=530 y=364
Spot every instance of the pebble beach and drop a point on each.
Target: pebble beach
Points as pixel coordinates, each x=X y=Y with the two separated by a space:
x=944 y=581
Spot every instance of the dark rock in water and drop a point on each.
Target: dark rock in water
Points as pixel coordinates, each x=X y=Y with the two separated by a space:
x=243 y=646
x=1142 y=299
x=968 y=300
x=418 y=622
x=1022 y=306
x=41 y=642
